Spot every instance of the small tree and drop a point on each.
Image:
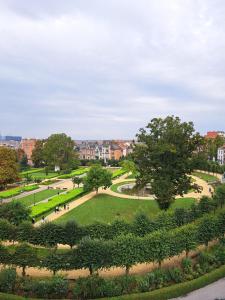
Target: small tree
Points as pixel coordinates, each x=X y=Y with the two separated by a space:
x=8 y=231
x=97 y=177
x=77 y=180
x=25 y=256
x=92 y=254
x=126 y=251
x=207 y=229
x=129 y=166
x=50 y=234
x=4 y=255
x=72 y=233
x=55 y=262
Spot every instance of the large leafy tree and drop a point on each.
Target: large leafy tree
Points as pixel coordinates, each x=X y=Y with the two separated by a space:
x=97 y=177
x=59 y=150
x=38 y=154
x=8 y=166
x=163 y=154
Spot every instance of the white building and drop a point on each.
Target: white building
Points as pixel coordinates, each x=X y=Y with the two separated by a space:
x=221 y=155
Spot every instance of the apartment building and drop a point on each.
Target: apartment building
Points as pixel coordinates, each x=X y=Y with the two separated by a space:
x=221 y=155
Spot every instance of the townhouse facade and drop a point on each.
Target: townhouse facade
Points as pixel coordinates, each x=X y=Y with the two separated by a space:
x=221 y=155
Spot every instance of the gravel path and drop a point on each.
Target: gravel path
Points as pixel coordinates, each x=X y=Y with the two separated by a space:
x=212 y=291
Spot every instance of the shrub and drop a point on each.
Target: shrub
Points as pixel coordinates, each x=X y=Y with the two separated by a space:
x=89 y=287
x=8 y=279
x=175 y=275
x=186 y=264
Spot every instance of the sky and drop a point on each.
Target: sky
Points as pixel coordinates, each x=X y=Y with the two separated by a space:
x=98 y=69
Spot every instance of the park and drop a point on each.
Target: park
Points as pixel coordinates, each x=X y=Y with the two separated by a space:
x=151 y=228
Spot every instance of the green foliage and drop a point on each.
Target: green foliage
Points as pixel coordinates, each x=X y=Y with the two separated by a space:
x=219 y=195
x=118 y=173
x=7 y=230
x=8 y=279
x=97 y=177
x=4 y=255
x=163 y=158
x=77 y=180
x=58 y=150
x=50 y=234
x=129 y=166
x=24 y=256
x=14 y=212
x=207 y=229
x=72 y=233
x=8 y=166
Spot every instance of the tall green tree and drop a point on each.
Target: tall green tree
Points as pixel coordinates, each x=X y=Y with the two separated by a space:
x=38 y=154
x=220 y=195
x=77 y=180
x=59 y=151
x=97 y=177
x=163 y=154
x=8 y=166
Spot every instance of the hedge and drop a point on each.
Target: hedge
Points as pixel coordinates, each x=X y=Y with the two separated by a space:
x=44 y=207
x=16 y=191
x=177 y=290
x=74 y=173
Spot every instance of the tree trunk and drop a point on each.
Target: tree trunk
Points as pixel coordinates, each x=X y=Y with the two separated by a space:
x=96 y=191
x=91 y=270
x=160 y=264
x=127 y=270
x=187 y=252
x=23 y=271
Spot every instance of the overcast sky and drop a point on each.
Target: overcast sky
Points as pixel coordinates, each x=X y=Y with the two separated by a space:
x=103 y=69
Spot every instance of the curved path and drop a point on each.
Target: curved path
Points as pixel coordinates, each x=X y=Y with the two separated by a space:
x=77 y=202
x=212 y=291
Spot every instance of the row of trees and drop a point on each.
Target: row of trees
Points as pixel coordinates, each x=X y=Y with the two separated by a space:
x=71 y=233
x=124 y=251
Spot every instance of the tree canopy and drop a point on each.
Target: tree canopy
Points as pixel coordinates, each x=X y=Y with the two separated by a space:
x=163 y=156
x=8 y=166
x=97 y=177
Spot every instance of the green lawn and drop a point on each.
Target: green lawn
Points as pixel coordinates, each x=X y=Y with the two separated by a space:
x=42 y=175
x=31 y=171
x=74 y=173
x=204 y=176
x=18 y=190
x=106 y=208
x=37 y=197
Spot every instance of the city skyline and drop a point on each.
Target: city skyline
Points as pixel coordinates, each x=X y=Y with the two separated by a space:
x=97 y=71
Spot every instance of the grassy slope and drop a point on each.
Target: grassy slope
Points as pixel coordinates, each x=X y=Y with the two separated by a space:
x=105 y=208
x=206 y=177
x=39 y=196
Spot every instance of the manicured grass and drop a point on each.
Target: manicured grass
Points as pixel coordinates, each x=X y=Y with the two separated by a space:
x=31 y=171
x=177 y=290
x=206 y=177
x=43 y=208
x=42 y=175
x=18 y=190
x=106 y=208
x=37 y=197
x=118 y=173
x=77 y=172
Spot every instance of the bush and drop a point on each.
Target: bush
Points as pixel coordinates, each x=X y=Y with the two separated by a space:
x=186 y=265
x=176 y=275
x=8 y=279
x=56 y=287
x=89 y=287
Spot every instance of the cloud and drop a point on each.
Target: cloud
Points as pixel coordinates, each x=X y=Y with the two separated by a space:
x=102 y=70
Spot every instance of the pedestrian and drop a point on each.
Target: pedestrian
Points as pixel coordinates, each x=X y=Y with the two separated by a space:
x=43 y=219
x=55 y=209
x=68 y=207
x=64 y=206
x=33 y=220
x=210 y=189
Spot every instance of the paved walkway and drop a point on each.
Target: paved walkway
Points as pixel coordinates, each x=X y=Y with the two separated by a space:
x=212 y=291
